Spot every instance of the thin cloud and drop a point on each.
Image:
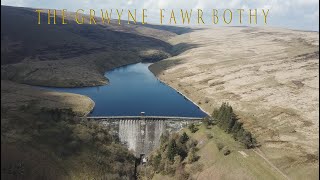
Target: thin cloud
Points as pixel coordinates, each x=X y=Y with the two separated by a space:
x=307 y=11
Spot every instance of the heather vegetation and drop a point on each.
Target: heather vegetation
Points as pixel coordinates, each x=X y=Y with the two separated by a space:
x=169 y=159
x=54 y=144
x=227 y=120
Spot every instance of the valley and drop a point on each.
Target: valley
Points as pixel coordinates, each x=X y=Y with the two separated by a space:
x=269 y=76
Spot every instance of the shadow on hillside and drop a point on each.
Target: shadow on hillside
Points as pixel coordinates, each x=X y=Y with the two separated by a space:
x=174 y=29
x=24 y=162
x=182 y=47
x=59 y=41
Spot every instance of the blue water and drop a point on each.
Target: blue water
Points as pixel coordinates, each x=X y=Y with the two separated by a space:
x=134 y=89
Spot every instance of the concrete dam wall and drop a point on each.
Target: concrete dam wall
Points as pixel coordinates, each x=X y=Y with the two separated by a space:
x=142 y=136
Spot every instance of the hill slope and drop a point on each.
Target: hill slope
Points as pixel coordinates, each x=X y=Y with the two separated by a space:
x=271 y=78
x=73 y=55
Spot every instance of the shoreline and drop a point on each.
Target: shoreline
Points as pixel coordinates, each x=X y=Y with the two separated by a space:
x=148 y=65
x=93 y=105
x=207 y=113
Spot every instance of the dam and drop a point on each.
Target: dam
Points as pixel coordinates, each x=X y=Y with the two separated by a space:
x=141 y=134
x=134 y=89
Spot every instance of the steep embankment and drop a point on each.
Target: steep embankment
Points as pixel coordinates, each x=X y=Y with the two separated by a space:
x=270 y=77
x=74 y=55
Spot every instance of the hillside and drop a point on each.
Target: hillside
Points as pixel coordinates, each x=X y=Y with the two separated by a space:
x=42 y=137
x=271 y=78
x=212 y=163
x=74 y=55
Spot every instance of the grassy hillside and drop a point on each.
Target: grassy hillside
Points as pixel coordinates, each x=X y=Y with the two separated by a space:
x=269 y=75
x=74 y=55
x=217 y=148
x=241 y=163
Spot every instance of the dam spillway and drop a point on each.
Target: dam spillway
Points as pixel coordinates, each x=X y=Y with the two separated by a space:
x=141 y=136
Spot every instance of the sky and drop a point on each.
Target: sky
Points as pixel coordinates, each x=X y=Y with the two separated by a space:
x=292 y=14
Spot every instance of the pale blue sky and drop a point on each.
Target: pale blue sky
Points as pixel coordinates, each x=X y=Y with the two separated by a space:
x=293 y=14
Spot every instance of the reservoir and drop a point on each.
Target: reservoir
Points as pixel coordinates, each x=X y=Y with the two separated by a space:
x=133 y=89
